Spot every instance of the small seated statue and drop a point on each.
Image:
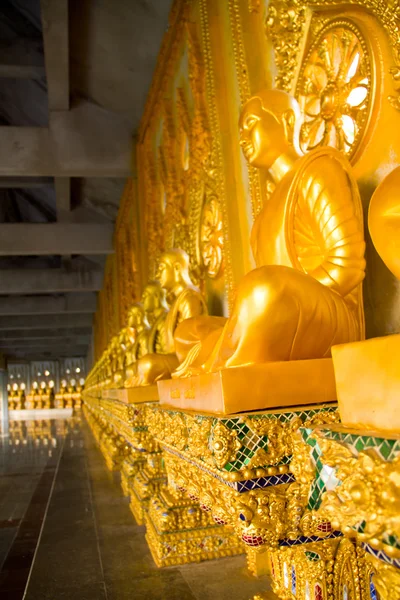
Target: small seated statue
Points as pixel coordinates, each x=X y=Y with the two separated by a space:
x=148 y=321
x=185 y=301
x=306 y=293
x=112 y=362
x=118 y=376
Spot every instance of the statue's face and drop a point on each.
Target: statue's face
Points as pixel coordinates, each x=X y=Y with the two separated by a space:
x=134 y=318
x=261 y=135
x=166 y=274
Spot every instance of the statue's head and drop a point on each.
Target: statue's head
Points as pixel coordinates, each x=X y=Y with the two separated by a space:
x=136 y=316
x=173 y=269
x=268 y=125
x=153 y=297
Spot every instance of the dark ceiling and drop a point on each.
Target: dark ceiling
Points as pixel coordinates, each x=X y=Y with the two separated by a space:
x=71 y=96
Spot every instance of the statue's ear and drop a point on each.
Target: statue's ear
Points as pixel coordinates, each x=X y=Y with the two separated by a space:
x=288 y=119
x=177 y=267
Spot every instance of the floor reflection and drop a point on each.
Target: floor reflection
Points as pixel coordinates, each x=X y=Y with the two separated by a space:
x=66 y=531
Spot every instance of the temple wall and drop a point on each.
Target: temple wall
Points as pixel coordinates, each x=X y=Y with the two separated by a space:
x=191 y=187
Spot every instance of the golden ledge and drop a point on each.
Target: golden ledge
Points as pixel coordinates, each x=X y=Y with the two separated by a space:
x=253 y=387
x=135 y=395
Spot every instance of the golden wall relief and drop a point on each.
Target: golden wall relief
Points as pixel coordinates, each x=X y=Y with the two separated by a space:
x=334 y=88
x=181 y=162
x=111 y=296
x=126 y=250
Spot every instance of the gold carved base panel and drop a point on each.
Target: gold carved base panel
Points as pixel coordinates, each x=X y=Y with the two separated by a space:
x=179 y=532
x=130 y=467
x=144 y=485
x=138 y=506
x=190 y=546
x=337 y=569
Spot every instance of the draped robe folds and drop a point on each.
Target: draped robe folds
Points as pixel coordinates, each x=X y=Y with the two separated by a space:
x=306 y=294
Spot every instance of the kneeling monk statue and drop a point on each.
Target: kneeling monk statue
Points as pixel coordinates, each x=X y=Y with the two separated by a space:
x=185 y=301
x=306 y=293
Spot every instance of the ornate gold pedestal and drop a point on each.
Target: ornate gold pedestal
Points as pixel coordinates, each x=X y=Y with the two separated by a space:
x=130 y=467
x=292 y=383
x=145 y=484
x=179 y=532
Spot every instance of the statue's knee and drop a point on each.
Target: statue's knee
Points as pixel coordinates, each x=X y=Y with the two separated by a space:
x=269 y=287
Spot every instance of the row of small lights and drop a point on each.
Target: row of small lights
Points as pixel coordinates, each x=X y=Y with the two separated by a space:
x=43 y=384
x=47 y=373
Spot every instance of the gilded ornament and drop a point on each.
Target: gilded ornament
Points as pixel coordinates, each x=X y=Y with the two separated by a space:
x=261 y=517
x=304 y=571
x=385 y=577
x=198 y=437
x=224 y=445
x=334 y=89
x=212 y=236
x=346 y=573
x=368 y=494
x=284 y=26
x=280 y=441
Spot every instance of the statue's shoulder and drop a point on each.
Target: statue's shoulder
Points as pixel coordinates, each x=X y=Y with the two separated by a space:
x=323 y=161
x=189 y=303
x=189 y=293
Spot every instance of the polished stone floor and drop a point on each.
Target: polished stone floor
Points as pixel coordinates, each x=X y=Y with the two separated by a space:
x=66 y=531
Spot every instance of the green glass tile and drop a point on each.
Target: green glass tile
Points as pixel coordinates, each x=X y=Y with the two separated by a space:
x=359 y=445
x=385 y=449
x=313 y=556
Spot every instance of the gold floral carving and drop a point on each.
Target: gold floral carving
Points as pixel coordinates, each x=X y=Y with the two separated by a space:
x=198 y=437
x=285 y=440
x=260 y=517
x=254 y=5
x=224 y=445
x=285 y=26
x=280 y=440
x=212 y=236
x=369 y=492
x=334 y=88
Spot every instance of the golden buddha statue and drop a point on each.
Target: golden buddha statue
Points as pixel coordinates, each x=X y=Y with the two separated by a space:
x=156 y=309
x=118 y=375
x=306 y=293
x=185 y=302
x=373 y=404
x=59 y=398
x=111 y=361
x=148 y=320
